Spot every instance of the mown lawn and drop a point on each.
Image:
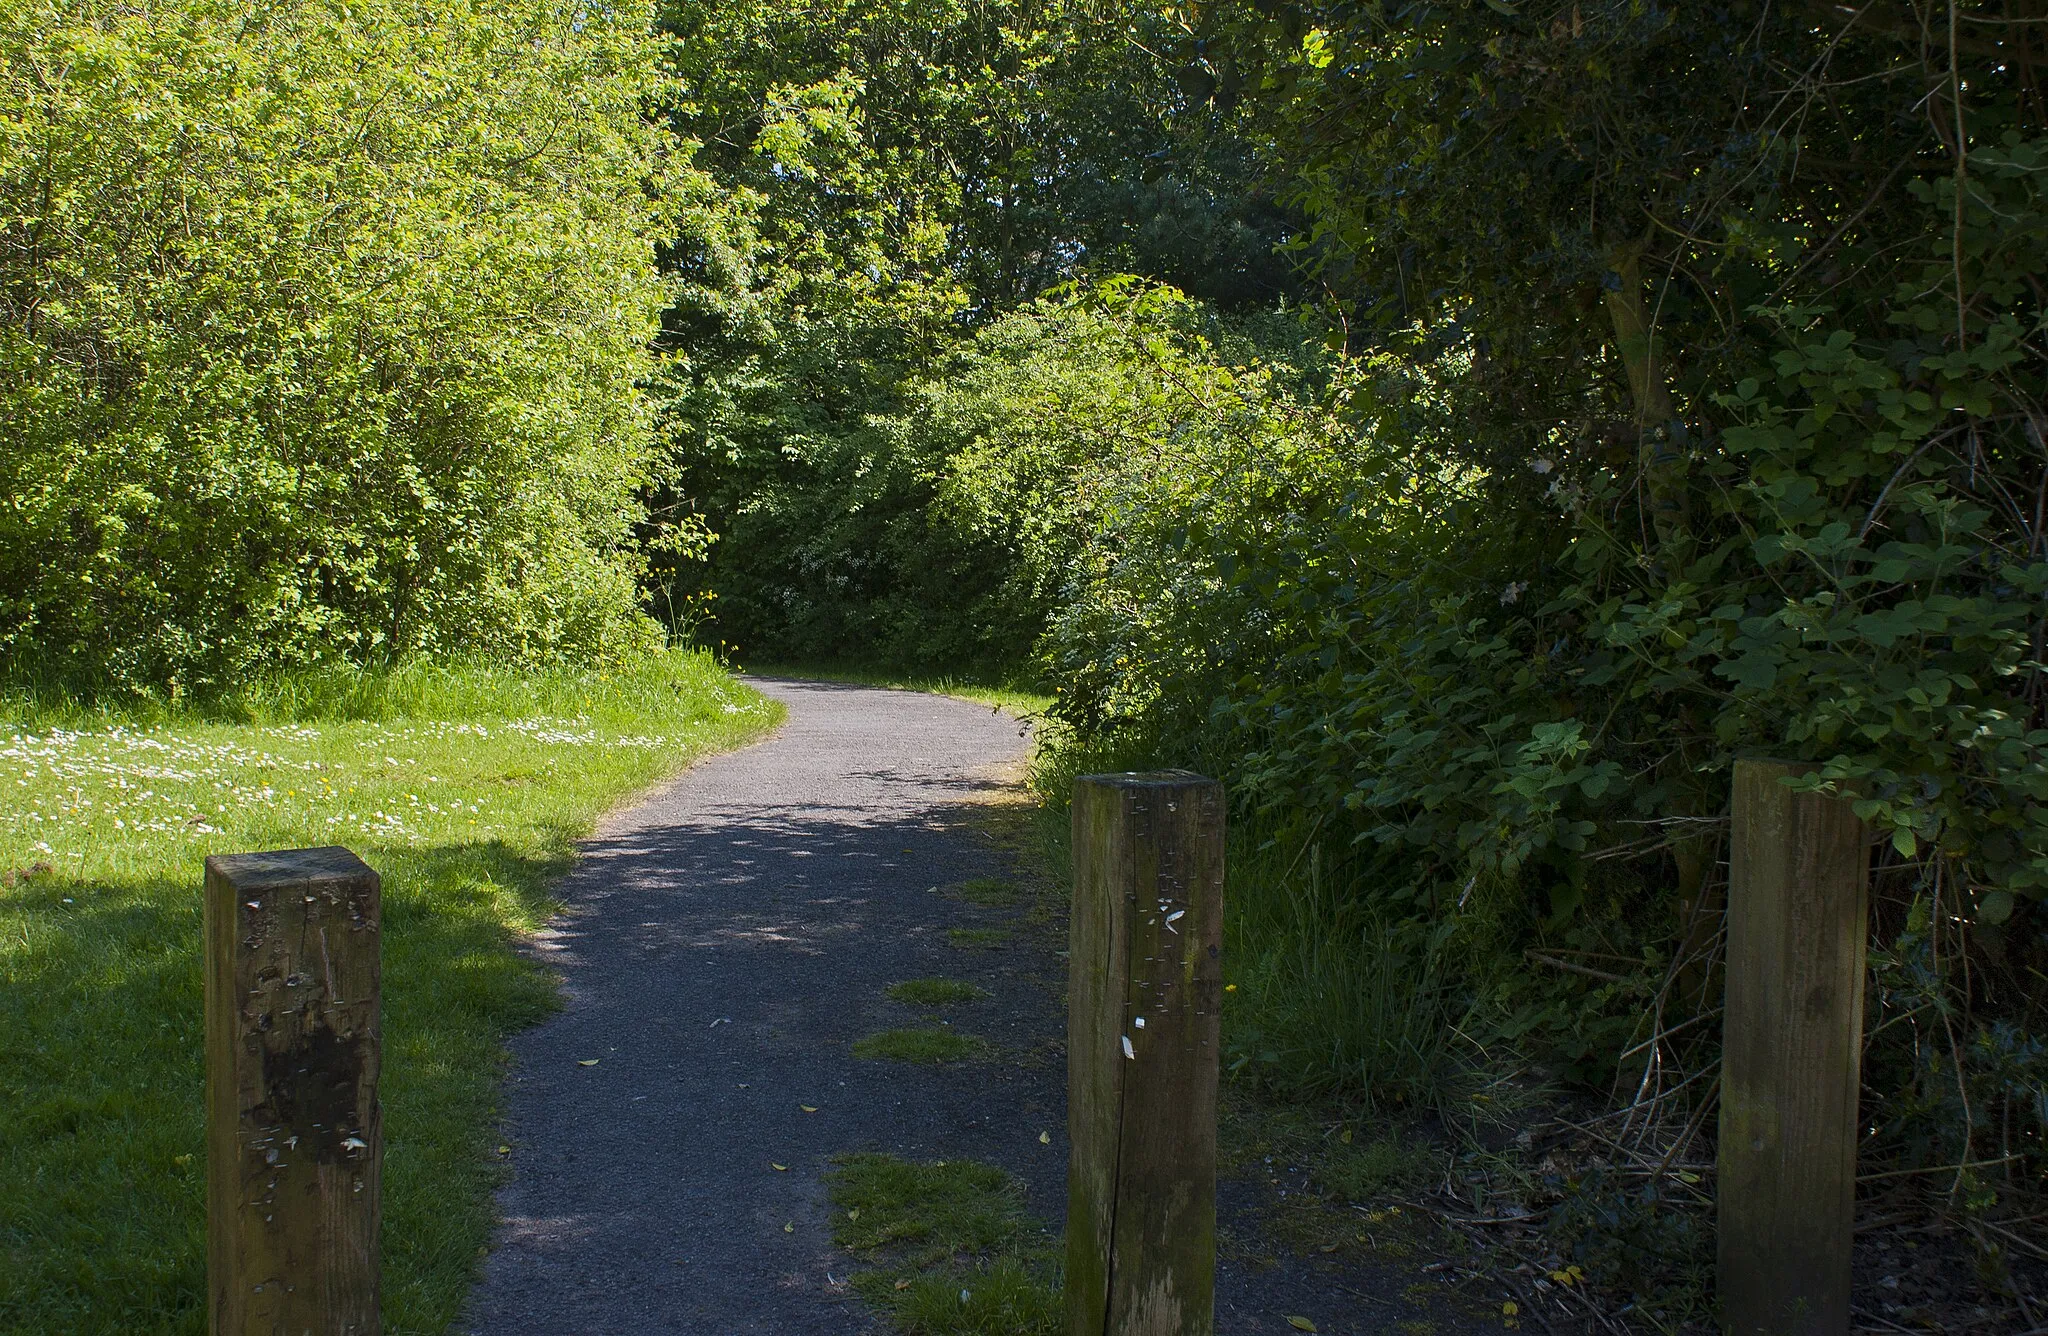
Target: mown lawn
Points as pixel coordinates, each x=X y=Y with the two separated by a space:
x=464 y=788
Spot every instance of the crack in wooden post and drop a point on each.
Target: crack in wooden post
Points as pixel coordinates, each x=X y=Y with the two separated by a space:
x=294 y=1135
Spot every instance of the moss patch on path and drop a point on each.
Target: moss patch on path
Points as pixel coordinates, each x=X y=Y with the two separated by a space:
x=951 y=1250
x=929 y=1045
x=936 y=992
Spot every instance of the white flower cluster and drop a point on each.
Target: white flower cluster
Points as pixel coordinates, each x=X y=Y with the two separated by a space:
x=80 y=788
x=66 y=791
x=555 y=732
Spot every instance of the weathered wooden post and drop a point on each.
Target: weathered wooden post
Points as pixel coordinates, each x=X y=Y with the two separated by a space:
x=1145 y=986
x=1793 y=1032
x=294 y=1136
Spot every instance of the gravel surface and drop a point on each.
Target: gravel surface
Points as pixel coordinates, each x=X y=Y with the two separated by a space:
x=724 y=943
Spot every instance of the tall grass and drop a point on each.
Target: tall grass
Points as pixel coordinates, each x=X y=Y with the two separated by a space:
x=1329 y=997
x=469 y=689
x=1335 y=999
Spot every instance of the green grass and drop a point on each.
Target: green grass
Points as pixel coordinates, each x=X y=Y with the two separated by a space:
x=929 y=1045
x=978 y=939
x=1330 y=998
x=991 y=891
x=936 y=992
x=1336 y=1001
x=952 y=1251
x=464 y=787
x=1355 y=1170
x=1017 y=698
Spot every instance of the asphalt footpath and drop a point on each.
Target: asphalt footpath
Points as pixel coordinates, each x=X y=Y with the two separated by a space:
x=724 y=942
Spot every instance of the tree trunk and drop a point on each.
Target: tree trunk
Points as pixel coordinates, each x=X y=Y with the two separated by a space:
x=1659 y=452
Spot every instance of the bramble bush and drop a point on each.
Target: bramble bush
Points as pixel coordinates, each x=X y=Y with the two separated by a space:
x=1518 y=723
x=1486 y=612
x=320 y=332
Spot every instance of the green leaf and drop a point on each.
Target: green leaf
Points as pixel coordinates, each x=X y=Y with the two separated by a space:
x=1995 y=907
x=1757 y=670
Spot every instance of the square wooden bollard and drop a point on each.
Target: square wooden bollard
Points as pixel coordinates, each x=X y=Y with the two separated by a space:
x=294 y=1135
x=1798 y=914
x=1145 y=990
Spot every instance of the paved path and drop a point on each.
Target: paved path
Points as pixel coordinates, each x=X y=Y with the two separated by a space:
x=726 y=941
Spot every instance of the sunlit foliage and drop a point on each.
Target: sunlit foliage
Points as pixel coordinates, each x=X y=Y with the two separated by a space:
x=320 y=326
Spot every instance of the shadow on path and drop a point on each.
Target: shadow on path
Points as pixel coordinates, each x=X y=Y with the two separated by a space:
x=725 y=943
x=726 y=940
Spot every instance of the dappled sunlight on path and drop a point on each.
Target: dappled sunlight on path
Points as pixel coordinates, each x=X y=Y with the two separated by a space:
x=725 y=942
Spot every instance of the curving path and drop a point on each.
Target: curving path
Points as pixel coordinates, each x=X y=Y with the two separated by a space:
x=725 y=942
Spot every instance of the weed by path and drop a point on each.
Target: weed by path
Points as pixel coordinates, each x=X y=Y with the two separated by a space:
x=993 y=892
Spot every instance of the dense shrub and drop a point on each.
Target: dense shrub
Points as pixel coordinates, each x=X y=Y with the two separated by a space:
x=902 y=174
x=319 y=331
x=1506 y=718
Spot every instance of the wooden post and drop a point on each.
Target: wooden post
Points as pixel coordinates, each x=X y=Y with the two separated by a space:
x=1145 y=986
x=294 y=1136
x=1793 y=1033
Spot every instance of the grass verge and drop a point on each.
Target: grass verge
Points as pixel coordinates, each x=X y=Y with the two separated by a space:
x=951 y=1250
x=465 y=787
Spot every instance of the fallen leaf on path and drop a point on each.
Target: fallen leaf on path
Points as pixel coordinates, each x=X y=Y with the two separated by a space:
x=808 y=1108
x=504 y=1150
x=586 y=1062
x=778 y=1168
x=1045 y=1138
x=789 y=1229
x=1301 y=1324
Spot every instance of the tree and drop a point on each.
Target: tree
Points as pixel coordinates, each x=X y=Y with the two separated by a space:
x=320 y=329
x=902 y=174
